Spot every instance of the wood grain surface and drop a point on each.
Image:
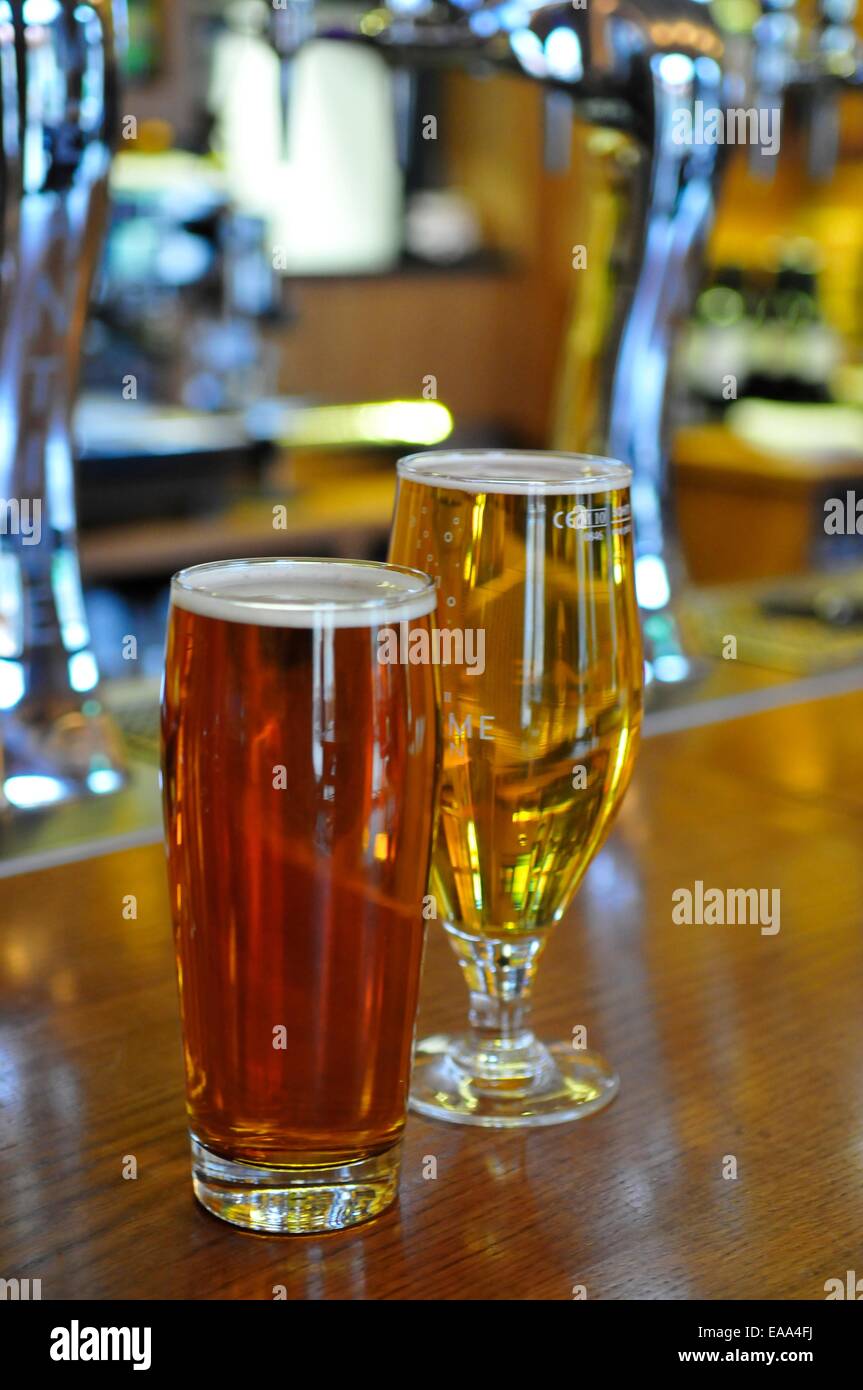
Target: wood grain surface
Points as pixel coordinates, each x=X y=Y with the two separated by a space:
x=729 y=1043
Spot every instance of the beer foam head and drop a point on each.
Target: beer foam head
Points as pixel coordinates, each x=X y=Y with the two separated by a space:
x=304 y=593
x=516 y=470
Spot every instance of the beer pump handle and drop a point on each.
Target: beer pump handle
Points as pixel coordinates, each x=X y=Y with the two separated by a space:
x=59 y=90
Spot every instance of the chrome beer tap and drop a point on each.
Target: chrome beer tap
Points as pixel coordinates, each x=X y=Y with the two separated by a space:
x=834 y=63
x=628 y=66
x=58 y=83
x=810 y=62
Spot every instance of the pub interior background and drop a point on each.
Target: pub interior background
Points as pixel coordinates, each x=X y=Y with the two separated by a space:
x=305 y=276
x=318 y=261
x=294 y=291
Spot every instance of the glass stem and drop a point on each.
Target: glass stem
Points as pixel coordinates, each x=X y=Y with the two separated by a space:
x=499 y=975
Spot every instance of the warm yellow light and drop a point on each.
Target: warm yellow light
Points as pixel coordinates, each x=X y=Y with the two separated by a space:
x=373 y=23
x=383 y=422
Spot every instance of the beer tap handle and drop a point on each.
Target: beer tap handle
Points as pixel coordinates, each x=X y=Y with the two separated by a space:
x=838 y=47
x=292 y=24
x=58 y=123
x=599 y=64
x=775 y=61
x=559 y=118
x=835 y=58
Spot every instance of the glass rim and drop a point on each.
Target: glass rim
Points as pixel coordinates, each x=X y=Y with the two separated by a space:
x=409 y=600
x=564 y=473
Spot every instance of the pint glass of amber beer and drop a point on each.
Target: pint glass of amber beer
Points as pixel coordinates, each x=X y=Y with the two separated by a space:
x=299 y=780
x=540 y=686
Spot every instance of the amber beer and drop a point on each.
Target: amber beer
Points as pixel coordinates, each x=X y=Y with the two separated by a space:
x=535 y=551
x=299 y=789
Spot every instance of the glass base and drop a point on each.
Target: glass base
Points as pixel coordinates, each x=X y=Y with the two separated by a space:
x=555 y=1084
x=295 y=1201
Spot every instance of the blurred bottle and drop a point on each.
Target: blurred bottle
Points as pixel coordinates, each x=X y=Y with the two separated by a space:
x=762 y=334
x=794 y=351
x=717 y=345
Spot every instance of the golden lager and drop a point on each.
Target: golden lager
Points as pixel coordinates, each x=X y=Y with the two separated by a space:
x=299 y=787
x=538 y=750
x=532 y=556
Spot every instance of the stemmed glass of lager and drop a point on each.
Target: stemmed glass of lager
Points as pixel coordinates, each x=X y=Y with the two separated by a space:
x=540 y=693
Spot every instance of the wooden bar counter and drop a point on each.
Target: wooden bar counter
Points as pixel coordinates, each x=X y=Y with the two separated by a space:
x=737 y=1050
